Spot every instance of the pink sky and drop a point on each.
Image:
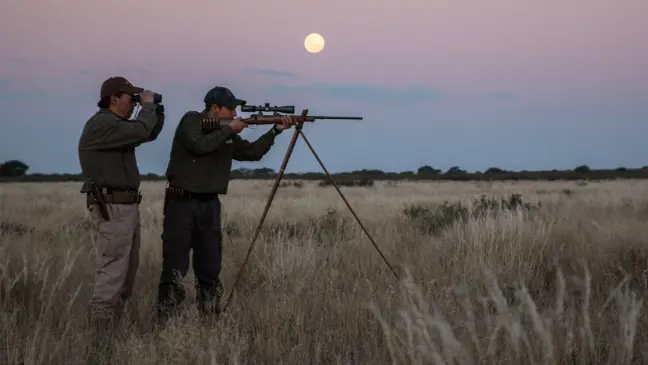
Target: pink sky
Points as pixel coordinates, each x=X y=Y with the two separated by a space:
x=450 y=44
x=549 y=55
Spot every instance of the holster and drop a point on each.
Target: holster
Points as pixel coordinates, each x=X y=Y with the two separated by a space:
x=166 y=201
x=94 y=195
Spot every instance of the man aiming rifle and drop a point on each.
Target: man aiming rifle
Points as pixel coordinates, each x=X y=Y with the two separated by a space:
x=198 y=172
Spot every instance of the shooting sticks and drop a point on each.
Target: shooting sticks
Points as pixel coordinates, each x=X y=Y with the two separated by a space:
x=291 y=146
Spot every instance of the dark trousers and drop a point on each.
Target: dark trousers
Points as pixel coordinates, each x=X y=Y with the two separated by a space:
x=191 y=223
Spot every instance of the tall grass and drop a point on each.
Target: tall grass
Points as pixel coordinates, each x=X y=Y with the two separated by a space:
x=492 y=273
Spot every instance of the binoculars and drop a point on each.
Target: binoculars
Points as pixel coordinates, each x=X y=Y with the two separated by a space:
x=286 y=109
x=157 y=98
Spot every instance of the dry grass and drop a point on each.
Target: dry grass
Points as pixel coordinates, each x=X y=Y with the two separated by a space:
x=557 y=284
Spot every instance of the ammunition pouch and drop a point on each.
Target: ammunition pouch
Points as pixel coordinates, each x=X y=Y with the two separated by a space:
x=174 y=193
x=210 y=125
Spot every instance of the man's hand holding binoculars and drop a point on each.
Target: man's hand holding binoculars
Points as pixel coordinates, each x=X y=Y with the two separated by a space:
x=145 y=96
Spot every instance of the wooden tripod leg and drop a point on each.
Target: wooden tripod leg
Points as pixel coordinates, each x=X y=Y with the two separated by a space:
x=291 y=146
x=373 y=242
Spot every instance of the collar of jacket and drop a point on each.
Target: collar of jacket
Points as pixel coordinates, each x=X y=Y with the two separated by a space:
x=108 y=111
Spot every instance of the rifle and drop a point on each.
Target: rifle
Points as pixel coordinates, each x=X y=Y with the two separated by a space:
x=211 y=124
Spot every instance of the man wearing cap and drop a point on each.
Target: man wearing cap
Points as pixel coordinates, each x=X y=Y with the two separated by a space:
x=112 y=179
x=199 y=170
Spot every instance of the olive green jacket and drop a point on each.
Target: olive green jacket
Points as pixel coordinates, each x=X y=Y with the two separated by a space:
x=201 y=162
x=107 y=146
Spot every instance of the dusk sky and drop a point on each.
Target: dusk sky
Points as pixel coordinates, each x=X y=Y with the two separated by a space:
x=515 y=84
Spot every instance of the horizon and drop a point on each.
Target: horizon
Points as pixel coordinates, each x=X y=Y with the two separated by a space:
x=494 y=170
x=513 y=85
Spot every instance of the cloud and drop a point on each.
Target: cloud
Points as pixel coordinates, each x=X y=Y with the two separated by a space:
x=365 y=92
x=500 y=96
x=13 y=91
x=24 y=61
x=269 y=72
x=8 y=95
x=134 y=70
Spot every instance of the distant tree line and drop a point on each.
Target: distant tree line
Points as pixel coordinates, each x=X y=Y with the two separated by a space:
x=16 y=171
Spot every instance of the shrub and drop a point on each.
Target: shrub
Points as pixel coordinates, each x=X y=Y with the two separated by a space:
x=349 y=183
x=434 y=219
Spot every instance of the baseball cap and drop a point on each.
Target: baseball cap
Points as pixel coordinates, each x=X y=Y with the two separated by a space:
x=224 y=97
x=116 y=85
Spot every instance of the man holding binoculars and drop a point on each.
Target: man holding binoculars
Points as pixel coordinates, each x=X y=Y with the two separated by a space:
x=112 y=180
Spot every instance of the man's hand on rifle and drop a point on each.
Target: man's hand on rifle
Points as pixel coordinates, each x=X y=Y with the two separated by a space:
x=286 y=123
x=237 y=125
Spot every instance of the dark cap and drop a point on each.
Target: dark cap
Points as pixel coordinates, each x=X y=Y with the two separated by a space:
x=116 y=85
x=222 y=96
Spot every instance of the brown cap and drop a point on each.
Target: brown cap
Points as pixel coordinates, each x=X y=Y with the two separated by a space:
x=116 y=85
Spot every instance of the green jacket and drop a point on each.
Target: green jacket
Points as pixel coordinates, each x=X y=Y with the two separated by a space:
x=201 y=162
x=107 y=146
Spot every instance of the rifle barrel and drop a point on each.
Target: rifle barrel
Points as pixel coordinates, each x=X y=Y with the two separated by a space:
x=326 y=117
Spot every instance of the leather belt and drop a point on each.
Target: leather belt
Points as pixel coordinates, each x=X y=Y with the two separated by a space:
x=175 y=192
x=116 y=196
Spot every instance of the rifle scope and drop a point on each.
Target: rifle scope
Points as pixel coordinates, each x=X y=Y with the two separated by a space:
x=286 y=109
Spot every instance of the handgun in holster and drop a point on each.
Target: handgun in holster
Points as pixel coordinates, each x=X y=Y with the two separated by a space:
x=166 y=200
x=91 y=188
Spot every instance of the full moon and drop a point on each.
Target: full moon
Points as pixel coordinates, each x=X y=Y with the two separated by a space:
x=314 y=43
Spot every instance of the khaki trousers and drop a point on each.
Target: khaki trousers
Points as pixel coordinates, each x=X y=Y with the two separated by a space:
x=117 y=249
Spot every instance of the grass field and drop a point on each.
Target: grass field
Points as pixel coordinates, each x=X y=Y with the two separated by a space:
x=553 y=276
